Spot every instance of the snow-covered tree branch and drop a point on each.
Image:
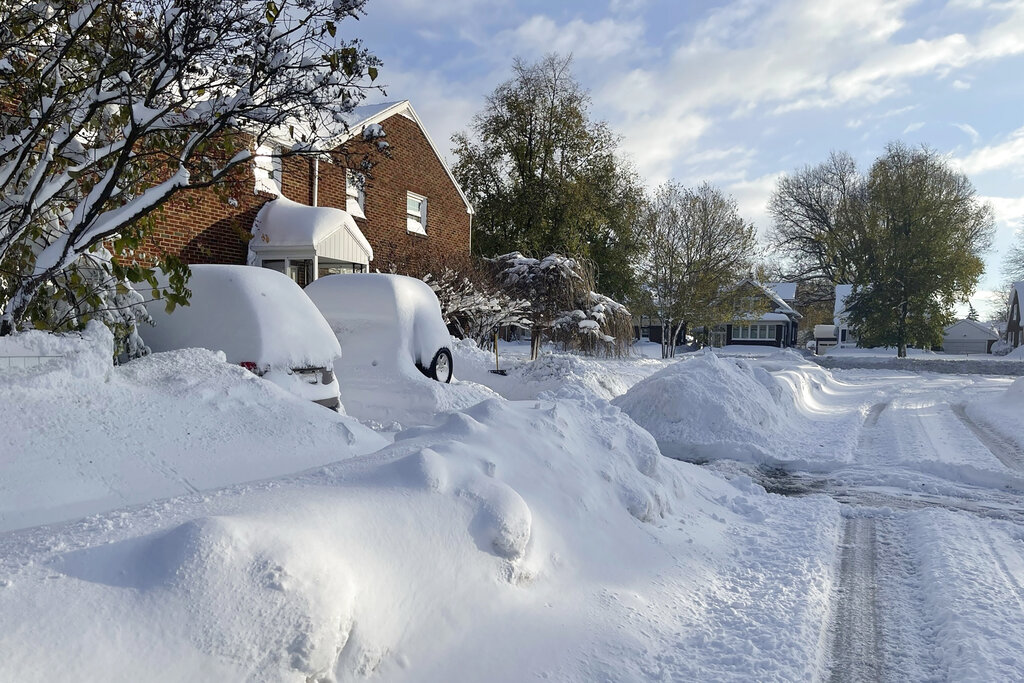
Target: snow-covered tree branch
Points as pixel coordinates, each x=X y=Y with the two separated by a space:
x=110 y=107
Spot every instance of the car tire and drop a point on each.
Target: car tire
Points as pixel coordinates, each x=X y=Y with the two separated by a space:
x=441 y=368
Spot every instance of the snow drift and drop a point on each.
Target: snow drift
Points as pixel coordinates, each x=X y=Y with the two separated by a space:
x=707 y=407
x=82 y=436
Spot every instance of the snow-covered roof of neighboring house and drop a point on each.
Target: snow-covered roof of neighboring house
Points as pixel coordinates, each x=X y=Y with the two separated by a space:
x=284 y=223
x=824 y=331
x=1019 y=288
x=969 y=329
x=842 y=293
x=780 y=306
x=785 y=290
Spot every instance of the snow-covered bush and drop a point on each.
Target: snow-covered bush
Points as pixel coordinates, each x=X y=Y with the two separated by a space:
x=474 y=309
x=91 y=289
x=564 y=305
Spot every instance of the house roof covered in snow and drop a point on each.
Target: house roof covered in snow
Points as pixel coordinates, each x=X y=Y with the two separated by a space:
x=969 y=329
x=785 y=290
x=284 y=223
x=781 y=307
x=842 y=293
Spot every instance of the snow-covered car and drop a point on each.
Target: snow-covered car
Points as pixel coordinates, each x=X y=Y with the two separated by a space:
x=389 y=320
x=261 y=320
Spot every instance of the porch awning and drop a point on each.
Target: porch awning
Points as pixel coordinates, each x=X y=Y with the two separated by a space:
x=332 y=233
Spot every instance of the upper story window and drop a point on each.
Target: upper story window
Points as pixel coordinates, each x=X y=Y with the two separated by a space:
x=267 y=170
x=355 y=191
x=416 y=213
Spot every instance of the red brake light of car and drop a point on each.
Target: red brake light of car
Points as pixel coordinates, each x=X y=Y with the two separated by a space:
x=250 y=366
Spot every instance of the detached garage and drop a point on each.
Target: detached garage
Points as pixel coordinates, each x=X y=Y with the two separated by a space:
x=968 y=336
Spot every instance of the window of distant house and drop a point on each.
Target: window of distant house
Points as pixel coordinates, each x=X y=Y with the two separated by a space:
x=267 y=170
x=355 y=191
x=753 y=332
x=416 y=213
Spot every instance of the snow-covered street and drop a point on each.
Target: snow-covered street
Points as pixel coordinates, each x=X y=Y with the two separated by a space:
x=235 y=532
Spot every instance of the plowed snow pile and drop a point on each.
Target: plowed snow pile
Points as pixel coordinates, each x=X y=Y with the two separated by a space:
x=81 y=436
x=551 y=372
x=1003 y=413
x=512 y=541
x=760 y=410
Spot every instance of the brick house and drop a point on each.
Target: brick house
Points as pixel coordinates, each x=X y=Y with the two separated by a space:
x=407 y=209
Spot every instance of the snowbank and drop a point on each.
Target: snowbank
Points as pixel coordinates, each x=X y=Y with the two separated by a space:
x=1003 y=413
x=551 y=372
x=82 y=436
x=512 y=541
x=707 y=407
x=921 y=361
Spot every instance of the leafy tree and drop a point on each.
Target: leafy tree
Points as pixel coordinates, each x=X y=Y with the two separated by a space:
x=918 y=252
x=109 y=108
x=698 y=247
x=544 y=178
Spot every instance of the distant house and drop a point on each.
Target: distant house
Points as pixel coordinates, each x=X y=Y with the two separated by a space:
x=824 y=338
x=841 y=317
x=968 y=336
x=1014 y=331
x=763 y=317
x=313 y=216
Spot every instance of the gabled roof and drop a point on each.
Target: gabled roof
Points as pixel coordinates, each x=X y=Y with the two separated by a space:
x=372 y=114
x=284 y=223
x=971 y=329
x=780 y=305
x=785 y=290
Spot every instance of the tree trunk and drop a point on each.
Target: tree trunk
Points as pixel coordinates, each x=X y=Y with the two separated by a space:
x=535 y=338
x=901 y=332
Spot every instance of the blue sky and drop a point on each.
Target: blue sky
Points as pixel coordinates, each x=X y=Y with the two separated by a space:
x=740 y=92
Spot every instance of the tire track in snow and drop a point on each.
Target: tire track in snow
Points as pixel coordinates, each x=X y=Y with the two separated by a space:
x=1006 y=452
x=855 y=646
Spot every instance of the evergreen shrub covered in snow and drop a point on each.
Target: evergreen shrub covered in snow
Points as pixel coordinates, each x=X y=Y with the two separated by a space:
x=564 y=305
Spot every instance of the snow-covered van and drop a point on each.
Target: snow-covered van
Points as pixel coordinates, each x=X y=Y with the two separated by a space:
x=391 y=322
x=261 y=320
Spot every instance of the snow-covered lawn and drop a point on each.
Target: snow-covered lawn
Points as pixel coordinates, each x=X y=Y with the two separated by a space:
x=235 y=532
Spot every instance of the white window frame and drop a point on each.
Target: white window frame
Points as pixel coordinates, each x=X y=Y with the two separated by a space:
x=416 y=222
x=355 y=194
x=754 y=332
x=267 y=170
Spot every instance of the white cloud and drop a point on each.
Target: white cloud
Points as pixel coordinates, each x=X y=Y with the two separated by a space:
x=959 y=84
x=752 y=197
x=1007 y=155
x=969 y=130
x=917 y=125
x=599 y=40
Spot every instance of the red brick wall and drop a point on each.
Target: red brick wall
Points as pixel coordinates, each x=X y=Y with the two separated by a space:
x=413 y=167
x=207 y=226
x=210 y=226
